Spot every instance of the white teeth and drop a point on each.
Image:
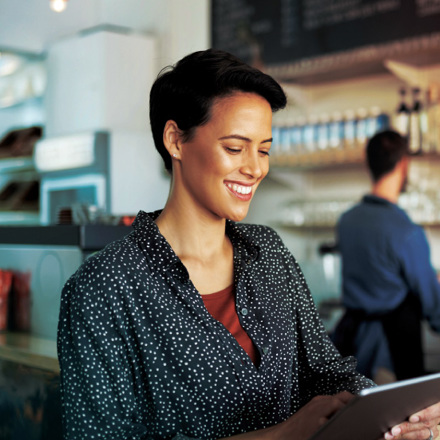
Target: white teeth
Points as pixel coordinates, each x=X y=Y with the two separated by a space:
x=239 y=188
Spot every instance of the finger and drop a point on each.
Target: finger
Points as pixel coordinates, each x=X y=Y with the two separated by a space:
x=344 y=397
x=322 y=421
x=427 y=414
x=411 y=431
x=328 y=405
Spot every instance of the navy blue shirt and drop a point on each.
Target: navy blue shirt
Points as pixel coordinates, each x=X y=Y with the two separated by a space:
x=142 y=358
x=384 y=257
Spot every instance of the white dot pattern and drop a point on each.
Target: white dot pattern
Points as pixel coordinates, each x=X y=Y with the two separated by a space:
x=142 y=358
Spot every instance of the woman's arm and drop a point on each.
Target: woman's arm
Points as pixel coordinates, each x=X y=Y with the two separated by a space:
x=96 y=383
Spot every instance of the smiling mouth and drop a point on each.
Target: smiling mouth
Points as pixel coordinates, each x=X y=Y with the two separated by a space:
x=240 y=189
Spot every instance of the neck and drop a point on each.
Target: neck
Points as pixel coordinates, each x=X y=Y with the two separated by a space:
x=388 y=187
x=190 y=234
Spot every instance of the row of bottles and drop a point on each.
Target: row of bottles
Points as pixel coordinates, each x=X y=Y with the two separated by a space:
x=422 y=206
x=419 y=120
x=340 y=131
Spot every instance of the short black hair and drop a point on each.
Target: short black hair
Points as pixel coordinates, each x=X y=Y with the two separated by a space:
x=185 y=92
x=384 y=151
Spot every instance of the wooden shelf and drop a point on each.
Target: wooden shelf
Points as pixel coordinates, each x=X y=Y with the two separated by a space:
x=333 y=159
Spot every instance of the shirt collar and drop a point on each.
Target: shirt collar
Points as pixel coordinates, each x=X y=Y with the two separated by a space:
x=161 y=256
x=371 y=198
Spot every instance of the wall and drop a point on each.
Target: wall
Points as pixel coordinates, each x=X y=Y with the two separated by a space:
x=178 y=27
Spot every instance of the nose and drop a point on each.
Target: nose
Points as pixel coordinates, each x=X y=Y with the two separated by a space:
x=253 y=164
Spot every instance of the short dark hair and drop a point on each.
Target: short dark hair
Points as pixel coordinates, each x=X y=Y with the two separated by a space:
x=185 y=92
x=384 y=151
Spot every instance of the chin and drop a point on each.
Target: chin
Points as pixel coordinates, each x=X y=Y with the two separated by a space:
x=237 y=217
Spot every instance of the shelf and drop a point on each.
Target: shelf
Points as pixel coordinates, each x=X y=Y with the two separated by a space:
x=333 y=159
x=307 y=227
x=330 y=227
x=364 y=61
x=319 y=159
x=16 y=164
x=19 y=218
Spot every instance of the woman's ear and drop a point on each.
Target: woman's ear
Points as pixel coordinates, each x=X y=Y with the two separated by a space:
x=172 y=139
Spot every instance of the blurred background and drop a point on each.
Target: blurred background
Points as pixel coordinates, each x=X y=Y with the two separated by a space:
x=75 y=139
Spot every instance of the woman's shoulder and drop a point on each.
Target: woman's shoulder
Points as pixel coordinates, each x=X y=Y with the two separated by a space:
x=112 y=264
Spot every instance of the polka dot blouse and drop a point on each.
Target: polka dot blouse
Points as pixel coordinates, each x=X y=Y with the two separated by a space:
x=142 y=358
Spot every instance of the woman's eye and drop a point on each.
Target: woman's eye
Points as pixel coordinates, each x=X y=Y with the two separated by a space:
x=233 y=150
x=264 y=152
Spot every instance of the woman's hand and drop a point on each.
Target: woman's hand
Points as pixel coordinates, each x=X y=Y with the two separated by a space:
x=305 y=422
x=418 y=426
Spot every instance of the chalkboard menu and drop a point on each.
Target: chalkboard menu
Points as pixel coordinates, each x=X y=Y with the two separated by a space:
x=274 y=32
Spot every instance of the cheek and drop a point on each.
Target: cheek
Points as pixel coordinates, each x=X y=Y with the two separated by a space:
x=201 y=161
x=264 y=169
x=221 y=164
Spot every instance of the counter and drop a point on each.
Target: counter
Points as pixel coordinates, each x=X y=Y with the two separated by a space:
x=88 y=237
x=32 y=351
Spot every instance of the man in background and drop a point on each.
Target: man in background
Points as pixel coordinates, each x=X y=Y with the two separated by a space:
x=389 y=285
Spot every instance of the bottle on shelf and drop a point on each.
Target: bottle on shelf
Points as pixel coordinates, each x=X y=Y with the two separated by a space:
x=336 y=130
x=361 y=128
x=433 y=118
x=287 y=146
x=349 y=129
x=415 y=126
x=323 y=131
x=401 y=121
x=383 y=122
x=296 y=136
x=376 y=121
x=310 y=134
x=284 y=140
x=275 y=148
x=424 y=124
x=279 y=134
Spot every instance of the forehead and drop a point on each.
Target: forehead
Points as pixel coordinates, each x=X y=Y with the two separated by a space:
x=238 y=97
x=241 y=105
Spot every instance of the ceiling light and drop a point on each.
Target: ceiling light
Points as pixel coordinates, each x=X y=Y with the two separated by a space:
x=58 y=5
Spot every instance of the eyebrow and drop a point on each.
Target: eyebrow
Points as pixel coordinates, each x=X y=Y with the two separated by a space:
x=242 y=138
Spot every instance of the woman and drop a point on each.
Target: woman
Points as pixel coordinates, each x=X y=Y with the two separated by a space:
x=194 y=326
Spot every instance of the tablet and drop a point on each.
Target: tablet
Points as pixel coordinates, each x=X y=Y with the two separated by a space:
x=375 y=410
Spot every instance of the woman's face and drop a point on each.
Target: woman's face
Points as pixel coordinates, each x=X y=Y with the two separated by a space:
x=227 y=158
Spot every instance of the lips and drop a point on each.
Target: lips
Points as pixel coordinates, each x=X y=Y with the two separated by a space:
x=243 y=192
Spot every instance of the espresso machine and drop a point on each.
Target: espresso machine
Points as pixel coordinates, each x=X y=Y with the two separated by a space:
x=116 y=173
